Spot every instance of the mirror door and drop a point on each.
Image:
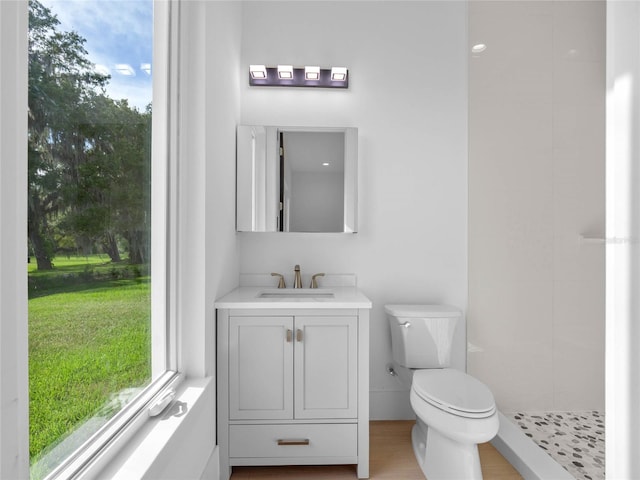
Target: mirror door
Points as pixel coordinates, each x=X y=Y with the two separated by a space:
x=296 y=179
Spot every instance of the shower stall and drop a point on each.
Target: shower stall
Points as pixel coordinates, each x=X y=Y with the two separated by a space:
x=536 y=313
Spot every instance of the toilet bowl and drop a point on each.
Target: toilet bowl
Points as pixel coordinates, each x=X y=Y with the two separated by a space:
x=454 y=410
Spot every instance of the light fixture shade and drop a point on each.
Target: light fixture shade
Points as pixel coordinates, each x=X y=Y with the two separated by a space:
x=258 y=72
x=338 y=74
x=285 y=72
x=312 y=73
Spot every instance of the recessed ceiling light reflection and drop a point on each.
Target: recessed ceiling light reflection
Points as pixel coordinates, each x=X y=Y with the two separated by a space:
x=125 y=69
x=325 y=164
x=478 y=48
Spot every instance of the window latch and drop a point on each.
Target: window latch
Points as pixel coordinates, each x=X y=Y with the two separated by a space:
x=159 y=405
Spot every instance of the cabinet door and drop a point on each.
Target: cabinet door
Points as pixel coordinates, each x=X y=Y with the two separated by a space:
x=326 y=363
x=260 y=367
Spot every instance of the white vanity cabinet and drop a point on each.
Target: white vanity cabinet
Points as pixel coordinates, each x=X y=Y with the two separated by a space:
x=293 y=367
x=293 y=385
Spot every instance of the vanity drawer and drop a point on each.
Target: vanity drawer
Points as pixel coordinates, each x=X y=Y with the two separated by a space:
x=300 y=440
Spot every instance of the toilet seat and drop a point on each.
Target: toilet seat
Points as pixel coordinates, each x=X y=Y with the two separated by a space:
x=454 y=392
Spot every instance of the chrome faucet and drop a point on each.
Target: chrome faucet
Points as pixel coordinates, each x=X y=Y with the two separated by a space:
x=281 y=283
x=297 y=283
x=314 y=282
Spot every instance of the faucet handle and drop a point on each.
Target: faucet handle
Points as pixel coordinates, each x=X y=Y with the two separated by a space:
x=314 y=282
x=281 y=283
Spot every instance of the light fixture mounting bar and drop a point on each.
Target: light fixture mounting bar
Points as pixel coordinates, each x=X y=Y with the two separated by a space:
x=299 y=79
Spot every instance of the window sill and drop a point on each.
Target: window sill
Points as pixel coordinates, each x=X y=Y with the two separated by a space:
x=175 y=444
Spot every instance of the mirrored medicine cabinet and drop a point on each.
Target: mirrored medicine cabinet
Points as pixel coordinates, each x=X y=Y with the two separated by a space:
x=296 y=179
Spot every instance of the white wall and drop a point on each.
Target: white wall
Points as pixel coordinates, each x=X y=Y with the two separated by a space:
x=623 y=232
x=209 y=258
x=536 y=185
x=408 y=98
x=221 y=51
x=208 y=263
x=14 y=378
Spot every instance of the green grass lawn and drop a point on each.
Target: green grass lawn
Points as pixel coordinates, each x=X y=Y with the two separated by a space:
x=89 y=338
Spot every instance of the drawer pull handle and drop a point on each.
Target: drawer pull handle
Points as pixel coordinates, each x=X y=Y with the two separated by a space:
x=293 y=441
x=289 y=335
x=299 y=335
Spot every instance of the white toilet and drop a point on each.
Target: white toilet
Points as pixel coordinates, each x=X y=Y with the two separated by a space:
x=454 y=411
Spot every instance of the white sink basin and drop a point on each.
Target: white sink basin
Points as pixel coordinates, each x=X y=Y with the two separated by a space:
x=292 y=294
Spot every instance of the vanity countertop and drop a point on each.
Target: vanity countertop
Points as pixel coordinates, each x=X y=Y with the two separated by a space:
x=266 y=297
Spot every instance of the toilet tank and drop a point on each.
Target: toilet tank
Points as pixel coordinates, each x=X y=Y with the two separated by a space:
x=422 y=335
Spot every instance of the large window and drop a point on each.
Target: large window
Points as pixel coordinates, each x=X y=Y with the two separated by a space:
x=96 y=345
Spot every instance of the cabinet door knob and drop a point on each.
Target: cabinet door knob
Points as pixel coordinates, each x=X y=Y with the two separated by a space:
x=292 y=441
x=289 y=335
x=299 y=335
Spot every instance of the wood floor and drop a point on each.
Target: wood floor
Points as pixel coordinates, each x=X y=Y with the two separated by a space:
x=391 y=457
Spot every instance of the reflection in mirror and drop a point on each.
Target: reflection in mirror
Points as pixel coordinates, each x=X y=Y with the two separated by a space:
x=296 y=179
x=313 y=183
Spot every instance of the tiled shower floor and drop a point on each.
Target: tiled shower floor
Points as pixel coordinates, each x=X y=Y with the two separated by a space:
x=574 y=439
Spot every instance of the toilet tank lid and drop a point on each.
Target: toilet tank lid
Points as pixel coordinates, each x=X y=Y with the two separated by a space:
x=422 y=311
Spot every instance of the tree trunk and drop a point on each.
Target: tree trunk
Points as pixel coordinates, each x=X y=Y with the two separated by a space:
x=110 y=246
x=138 y=248
x=36 y=228
x=39 y=250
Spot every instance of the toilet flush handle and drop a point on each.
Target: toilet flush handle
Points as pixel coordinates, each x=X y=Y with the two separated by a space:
x=405 y=324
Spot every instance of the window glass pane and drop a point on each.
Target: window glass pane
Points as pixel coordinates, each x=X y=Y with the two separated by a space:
x=89 y=217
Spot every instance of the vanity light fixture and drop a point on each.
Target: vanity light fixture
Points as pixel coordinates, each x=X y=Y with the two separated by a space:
x=285 y=72
x=312 y=73
x=339 y=74
x=290 y=76
x=258 y=71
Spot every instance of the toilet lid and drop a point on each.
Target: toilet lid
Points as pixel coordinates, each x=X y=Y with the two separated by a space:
x=455 y=392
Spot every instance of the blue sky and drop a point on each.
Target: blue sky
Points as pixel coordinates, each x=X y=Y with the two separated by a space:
x=118 y=33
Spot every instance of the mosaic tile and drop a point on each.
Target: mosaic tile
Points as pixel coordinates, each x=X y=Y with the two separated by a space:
x=573 y=439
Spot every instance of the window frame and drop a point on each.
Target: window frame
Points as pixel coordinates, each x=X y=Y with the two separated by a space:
x=164 y=188
x=101 y=447
x=95 y=453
